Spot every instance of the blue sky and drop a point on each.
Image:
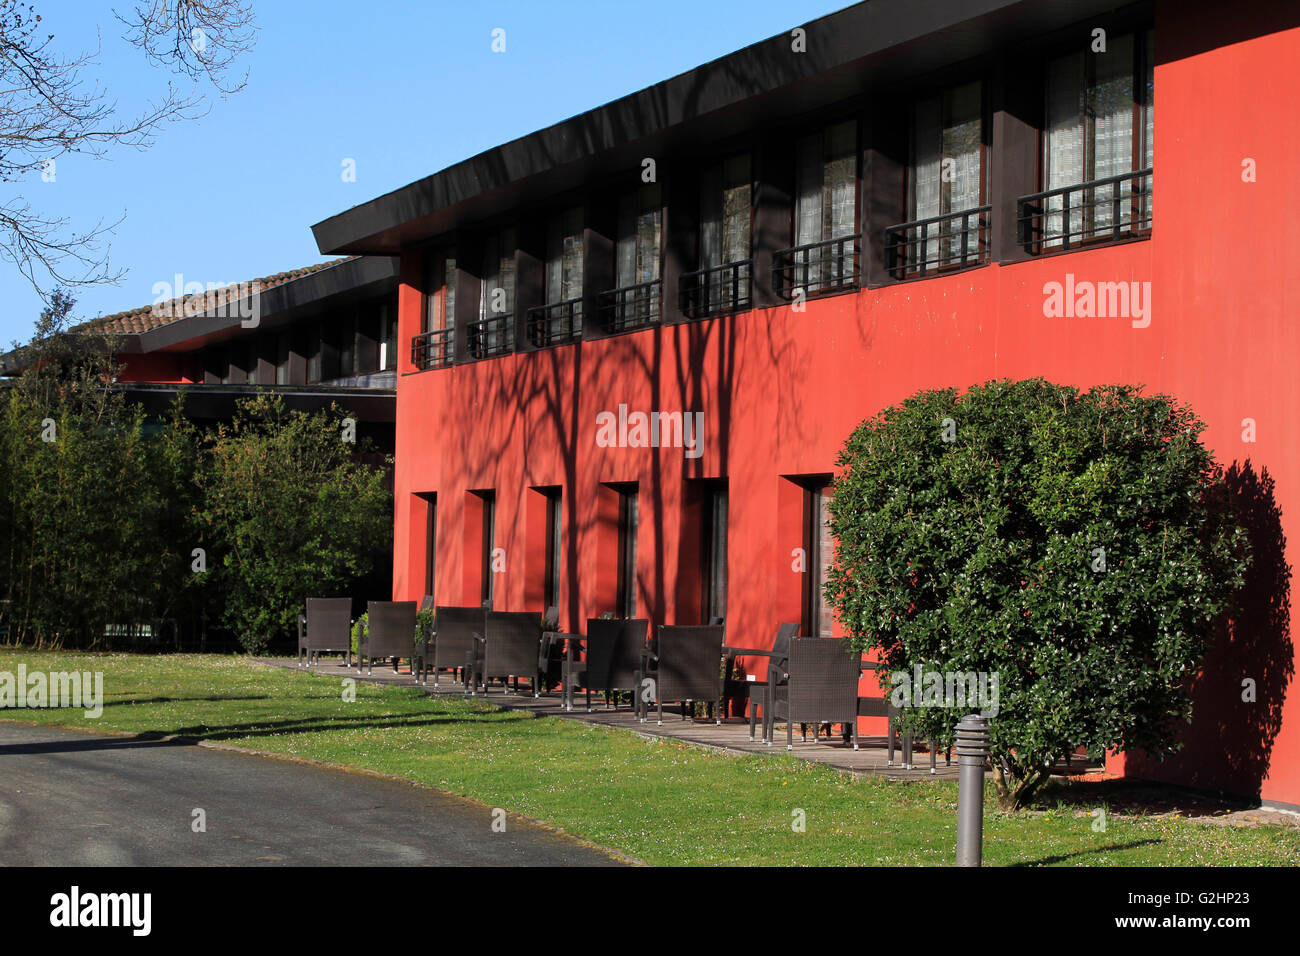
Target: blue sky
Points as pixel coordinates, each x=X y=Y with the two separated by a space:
x=403 y=88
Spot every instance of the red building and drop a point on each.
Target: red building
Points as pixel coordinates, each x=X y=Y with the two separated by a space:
x=638 y=338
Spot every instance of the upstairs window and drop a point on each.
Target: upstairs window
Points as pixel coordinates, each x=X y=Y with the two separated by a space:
x=1098 y=146
x=945 y=186
x=564 y=256
x=635 y=300
x=640 y=228
x=493 y=334
x=721 y=284
x=825 y=257
x=432 y=348
x=560 y=319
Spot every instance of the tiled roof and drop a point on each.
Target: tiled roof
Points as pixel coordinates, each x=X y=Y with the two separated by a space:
x=146 y=317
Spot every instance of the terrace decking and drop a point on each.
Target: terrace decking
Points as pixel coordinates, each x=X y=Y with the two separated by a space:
x=731 y=736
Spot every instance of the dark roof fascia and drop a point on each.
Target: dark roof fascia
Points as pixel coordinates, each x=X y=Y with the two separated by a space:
x=317 y=292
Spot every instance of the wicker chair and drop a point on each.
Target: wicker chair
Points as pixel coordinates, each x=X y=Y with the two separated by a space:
x=819 y=685
x=551 y=638
x=612 y=659
x=325 y=628
x=685 y=665
x=455 y=641
x=754 y=691
x=389 y=632
x=883 y=707
x=509 y=646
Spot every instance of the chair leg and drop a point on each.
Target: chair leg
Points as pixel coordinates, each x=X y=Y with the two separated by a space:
x=855 y=734
x=660 y=702
x=753 y=711
x=789 y=734
x=934 y=754
x=718 y=714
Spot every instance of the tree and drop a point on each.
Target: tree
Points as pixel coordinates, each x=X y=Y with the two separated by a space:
x=1076 y=545
x=93 y=499
x=48 y=109
x=288 y=513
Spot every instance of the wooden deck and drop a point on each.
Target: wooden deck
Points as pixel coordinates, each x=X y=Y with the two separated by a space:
x=732 y=736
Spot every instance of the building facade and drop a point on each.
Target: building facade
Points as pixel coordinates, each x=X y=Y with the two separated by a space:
x=633 y=343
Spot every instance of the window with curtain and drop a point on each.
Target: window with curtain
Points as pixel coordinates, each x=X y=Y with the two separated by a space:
x=726 y=223
x=640 y=226
x=564 y=256
x=947 y=136
x=1100 y=123
x=496 y=304
x=826 y=203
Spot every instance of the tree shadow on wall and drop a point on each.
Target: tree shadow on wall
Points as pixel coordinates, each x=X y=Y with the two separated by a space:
x=1229 y=744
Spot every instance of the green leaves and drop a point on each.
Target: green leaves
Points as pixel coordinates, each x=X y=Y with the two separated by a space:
x=291 y=511
x=1070 y=542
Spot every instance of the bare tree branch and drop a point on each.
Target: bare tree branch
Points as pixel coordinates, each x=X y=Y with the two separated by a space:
x=200 y=38
x=48 y=109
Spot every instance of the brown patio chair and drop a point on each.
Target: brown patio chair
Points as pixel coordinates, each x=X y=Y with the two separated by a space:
x=551 y=638
x=820 y=684
x=457 y=632
x=685 y=665
x=612 y=657
x=389 y=632
x=754 y=691
x=509 y=648
x=326 y=628
x=884 y=707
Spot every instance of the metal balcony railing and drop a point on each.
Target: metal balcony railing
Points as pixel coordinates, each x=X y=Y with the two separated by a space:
x=555 y=324
x=819 y=268
x=944 y=243
x=432 y=349
x=717 y=290
x=1103 y=210
x=488 y=337
x=631 y=307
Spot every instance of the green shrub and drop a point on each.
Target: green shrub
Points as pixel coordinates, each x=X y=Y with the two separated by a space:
x=1076 y=545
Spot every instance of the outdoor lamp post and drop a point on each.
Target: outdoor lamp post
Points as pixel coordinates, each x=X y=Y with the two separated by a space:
x=972 y=751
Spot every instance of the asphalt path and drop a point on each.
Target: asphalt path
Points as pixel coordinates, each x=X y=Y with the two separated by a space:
x=76 y=799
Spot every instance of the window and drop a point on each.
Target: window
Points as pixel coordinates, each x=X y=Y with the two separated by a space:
x=1099 y=137
x=816 y=616
x=282 y=346
x=945 y=183
x=635 y=301
x=627 y=527
x=486 y=576
x=493 y=334
x=726 y=225
x=560 y=320
x=825 y=254
x=554 y=519
x=432 y=348
x=714 y=553
x=387 y=338
x=430 y=541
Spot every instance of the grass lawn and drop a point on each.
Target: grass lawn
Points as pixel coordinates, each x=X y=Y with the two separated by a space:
x=660 y=802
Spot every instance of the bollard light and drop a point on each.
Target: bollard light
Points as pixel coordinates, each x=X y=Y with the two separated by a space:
x=972 y=752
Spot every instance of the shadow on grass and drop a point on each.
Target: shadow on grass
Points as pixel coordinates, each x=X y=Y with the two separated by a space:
x=1109 y=848
x=1135 y=797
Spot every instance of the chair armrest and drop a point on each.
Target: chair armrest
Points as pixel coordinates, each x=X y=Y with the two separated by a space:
x=776 y=675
